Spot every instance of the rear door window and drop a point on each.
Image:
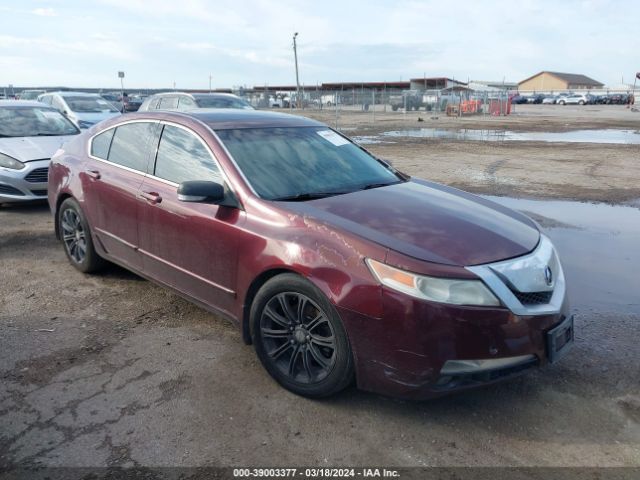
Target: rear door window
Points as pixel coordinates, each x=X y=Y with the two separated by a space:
x=182 y=156
x=153 y=104
x=129 y=145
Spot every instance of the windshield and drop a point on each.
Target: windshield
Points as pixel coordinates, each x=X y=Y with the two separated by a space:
x=289 y=162
x=89 y=104
x=33 y=122
x=222 y=102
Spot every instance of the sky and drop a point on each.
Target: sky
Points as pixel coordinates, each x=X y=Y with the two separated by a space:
x=245 y=43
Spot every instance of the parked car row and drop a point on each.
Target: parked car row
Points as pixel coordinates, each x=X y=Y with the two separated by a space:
x=581 y=98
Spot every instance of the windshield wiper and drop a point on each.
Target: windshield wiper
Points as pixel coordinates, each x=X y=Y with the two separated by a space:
x=378 y=185
x=301 y=197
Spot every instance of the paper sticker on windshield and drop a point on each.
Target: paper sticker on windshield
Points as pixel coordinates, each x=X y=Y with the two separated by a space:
x=333 y=137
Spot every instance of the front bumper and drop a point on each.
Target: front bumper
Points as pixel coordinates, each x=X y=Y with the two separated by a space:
x=420 y=350
x=24 y=185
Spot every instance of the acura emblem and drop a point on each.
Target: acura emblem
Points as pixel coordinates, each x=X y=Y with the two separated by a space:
x=548 y=275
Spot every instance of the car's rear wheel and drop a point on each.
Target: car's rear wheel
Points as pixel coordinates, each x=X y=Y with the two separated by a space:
x=299 y=337
x=76 y=237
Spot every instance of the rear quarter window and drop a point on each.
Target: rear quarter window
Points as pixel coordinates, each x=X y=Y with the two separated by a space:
x=101 y=143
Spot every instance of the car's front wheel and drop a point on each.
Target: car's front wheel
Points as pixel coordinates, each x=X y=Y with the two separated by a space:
x=299 y=337
x=76 y=237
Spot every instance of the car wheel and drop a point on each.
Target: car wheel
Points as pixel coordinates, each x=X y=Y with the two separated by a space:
x=299 y=337
x=328 y=104
x=580 y=102
x=76 y=238
x=562 y=102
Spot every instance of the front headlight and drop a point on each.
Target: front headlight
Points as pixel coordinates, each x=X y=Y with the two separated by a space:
x=8 y=162
x=443 y=290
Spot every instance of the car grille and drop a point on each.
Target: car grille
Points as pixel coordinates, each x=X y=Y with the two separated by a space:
x=38 y=175
x=533 y=298
x=8 y=190
x=39 y=193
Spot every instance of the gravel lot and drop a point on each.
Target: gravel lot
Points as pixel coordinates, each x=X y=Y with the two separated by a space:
x=111 y=370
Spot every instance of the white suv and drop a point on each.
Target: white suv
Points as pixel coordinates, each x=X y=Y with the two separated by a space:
x=575 y=99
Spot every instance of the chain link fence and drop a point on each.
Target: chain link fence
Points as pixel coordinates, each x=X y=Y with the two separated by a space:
x=372 y=101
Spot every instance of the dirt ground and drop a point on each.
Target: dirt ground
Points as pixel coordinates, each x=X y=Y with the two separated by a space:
x=578 y=171
x=111 y=370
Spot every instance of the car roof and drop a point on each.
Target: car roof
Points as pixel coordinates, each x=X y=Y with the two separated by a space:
x=66 y=93
x=214 y=94
x=230 y=118
x=24 y=103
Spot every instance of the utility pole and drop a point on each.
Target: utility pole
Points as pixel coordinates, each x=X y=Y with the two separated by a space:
x=295 y=56
x=121 y=76
x=209 y=83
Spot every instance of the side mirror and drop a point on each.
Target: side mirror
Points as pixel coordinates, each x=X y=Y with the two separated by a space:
x=204 y=191
x=200 y=191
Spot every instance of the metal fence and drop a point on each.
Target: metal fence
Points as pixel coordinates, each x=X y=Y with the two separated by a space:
x=371 y=101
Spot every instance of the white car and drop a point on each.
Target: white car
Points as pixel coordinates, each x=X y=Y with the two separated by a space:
x=575 y=99
x=30 y=133
x=83 y=109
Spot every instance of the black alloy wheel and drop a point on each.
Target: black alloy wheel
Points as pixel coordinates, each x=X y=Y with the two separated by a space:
x=300 y=338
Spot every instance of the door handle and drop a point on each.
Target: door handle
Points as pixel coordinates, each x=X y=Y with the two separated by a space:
x=151 y=197
x=95 y=174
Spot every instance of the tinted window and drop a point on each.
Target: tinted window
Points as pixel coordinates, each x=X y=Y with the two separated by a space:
x=101 y=143
x=182 y=156
x=46 y=99
x=89 y=104
x=169 y=103
x=222 y=102
x=283 y=162
x=128 y=147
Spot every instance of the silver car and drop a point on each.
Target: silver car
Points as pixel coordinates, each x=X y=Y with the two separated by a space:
x=83 y=109
x=30 y=133
x=190 y=101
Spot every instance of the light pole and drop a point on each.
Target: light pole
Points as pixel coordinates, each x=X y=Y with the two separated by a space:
x=295 y=56
x=121 y=76
x=209 y=83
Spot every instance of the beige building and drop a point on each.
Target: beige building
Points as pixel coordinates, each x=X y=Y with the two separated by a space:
x=547 y=81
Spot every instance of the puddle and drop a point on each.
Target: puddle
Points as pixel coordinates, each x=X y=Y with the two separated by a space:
x=599 y=246
x=615 y=136
x=369 y=140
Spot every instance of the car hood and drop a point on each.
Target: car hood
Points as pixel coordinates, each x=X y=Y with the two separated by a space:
x=429 y=222
x=26 y=149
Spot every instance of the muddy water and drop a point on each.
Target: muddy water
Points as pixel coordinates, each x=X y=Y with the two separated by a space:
x=614 y=136
x=599 y=246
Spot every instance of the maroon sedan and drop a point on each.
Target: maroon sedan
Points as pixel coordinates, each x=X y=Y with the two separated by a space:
x=334 y=265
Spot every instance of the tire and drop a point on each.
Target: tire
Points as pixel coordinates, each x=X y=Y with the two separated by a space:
x=580 y=102
x=299 y=337
x=394 y=108
x=76 y=238
x=562 y=102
